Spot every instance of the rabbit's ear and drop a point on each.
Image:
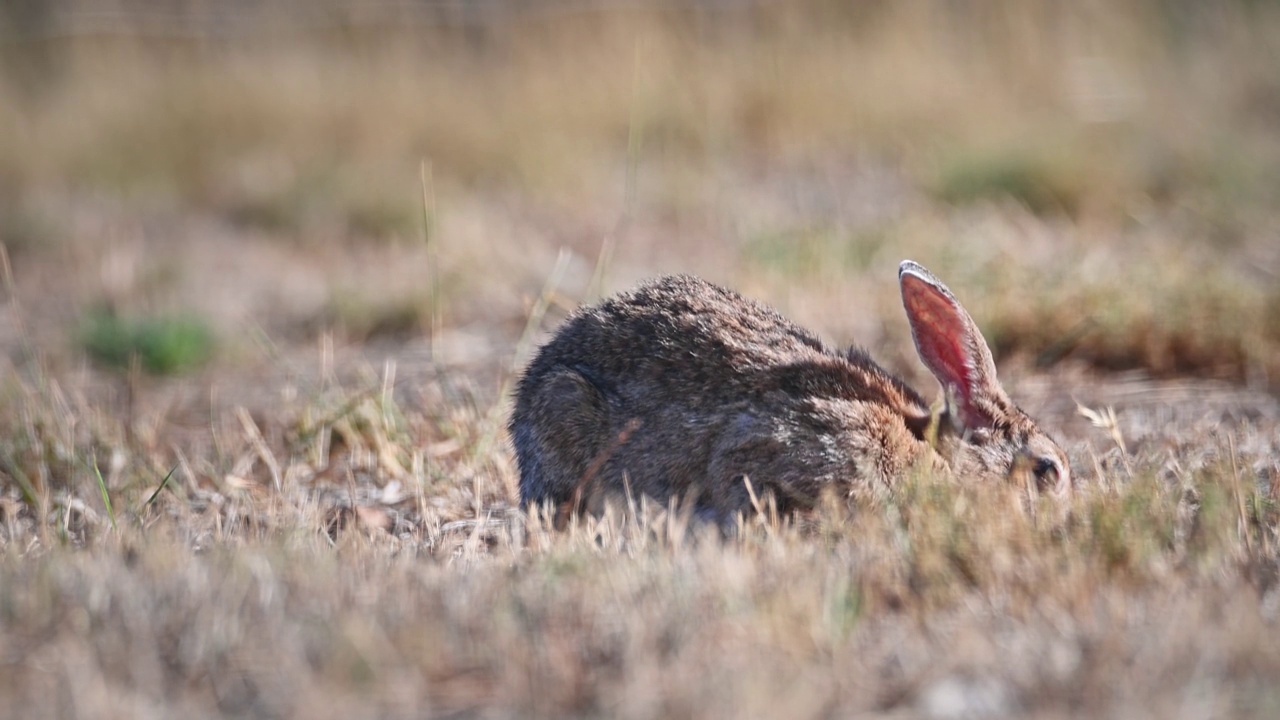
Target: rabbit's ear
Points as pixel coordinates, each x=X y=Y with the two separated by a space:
x=951 y=346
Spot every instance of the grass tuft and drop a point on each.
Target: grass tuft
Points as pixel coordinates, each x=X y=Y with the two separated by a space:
x=162 y=346
x=1043 y=182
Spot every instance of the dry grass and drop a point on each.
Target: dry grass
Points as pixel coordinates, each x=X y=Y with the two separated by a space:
x=319 y=519
x=389 y=575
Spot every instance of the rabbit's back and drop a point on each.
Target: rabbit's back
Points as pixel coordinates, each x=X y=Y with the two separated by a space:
x=681 y=335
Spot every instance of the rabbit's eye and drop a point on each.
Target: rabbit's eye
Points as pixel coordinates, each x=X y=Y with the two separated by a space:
x=1047 y=472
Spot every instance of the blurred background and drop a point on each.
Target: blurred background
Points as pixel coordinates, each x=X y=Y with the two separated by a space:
x=214 y=187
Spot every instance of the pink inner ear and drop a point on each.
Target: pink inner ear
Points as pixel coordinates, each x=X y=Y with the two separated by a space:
x=940 y=334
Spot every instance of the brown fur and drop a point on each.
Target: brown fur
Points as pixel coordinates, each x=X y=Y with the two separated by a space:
x=684 y=389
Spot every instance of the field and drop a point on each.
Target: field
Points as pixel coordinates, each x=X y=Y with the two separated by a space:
x=270 y=269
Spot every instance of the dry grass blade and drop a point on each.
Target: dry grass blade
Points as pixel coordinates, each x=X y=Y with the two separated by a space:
x=751 y=494
x=102 y=489
x=431 y=240
x=534 y=321
x=254 y=435
x=1242 y=518
x=1104 y=420
x=531 y=327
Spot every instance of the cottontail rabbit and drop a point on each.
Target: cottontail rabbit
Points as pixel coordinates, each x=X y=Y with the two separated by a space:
x=684 y=389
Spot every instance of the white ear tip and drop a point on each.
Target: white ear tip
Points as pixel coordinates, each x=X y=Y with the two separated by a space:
x=913 y=268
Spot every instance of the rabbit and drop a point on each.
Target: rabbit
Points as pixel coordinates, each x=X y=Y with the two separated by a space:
x=684 y=390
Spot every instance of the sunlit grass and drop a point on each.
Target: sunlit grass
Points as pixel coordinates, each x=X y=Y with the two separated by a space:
x=443 y=600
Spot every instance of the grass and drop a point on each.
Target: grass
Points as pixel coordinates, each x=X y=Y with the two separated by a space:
x=162 y=346
x=1041 y=182
x=359 y=319
x=389 y=573
x=811 y=252
x=323 y=521
x=1174 y=319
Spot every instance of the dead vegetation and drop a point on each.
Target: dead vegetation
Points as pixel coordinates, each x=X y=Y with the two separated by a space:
x=315 y=516
x=356 y=551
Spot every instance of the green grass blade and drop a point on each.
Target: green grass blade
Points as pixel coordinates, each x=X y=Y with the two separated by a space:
x=163 y=484
x=24 y=483
x=106 y=497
